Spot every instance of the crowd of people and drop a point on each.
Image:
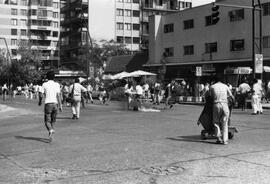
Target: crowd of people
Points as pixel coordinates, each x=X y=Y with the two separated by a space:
x=54 y=94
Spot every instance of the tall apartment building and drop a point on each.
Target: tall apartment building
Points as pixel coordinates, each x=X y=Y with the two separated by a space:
x=132 y=26
x=33 y=21
x=125 y=21
x=74 y=34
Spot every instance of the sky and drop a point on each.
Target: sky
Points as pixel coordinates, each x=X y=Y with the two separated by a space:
x=103 y=21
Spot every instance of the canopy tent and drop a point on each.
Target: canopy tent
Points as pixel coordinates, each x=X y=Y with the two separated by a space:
x=107 y=77
x=139 y=73
x=266 y=68
x=238 y=70
x=120 y=75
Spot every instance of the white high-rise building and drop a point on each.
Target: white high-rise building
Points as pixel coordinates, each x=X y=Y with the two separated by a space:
x=33 y=21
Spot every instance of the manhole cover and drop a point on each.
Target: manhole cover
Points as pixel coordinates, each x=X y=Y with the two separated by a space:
x=160 y=170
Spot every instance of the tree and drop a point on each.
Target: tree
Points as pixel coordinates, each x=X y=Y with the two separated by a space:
x=24 y=70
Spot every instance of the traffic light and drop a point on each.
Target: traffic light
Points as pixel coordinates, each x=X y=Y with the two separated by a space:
x=215 y=14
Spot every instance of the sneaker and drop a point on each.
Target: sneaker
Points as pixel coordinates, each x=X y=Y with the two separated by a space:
x=74 y=116
x=51 y=132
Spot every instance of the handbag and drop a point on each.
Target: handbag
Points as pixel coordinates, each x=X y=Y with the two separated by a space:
x=70 y=98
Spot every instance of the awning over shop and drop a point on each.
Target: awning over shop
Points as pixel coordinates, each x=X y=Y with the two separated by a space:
x=238 y=70
x=266 y=68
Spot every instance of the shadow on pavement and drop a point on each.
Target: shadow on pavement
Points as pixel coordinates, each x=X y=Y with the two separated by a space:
x=45 y=140
x=190 y=138
x=63 y=117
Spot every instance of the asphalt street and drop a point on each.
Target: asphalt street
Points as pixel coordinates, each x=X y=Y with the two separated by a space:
x=109 y=145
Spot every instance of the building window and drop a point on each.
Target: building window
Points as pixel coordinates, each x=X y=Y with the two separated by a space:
x=188 y=24
x=168 y=28
x=136 y=1
x=24 y=2
x=23 y=32
x=120 y=1
x=237 y=45
x=14 y=2
x=14 y=22
x=208 y=20
x=24 y=12
x=211 y=47
x=136 y=13
x=136 y=40
x=55 y=15
x=14 y=52
x=237 y=15
x=266 y=42
x=128 y=1
x=23 y=22
x=128 y=13
x=33 y=12
x=55 y=24
x=13 y=42
x=14 y=12
x=169 y=51
x=55 y=34
x=13 y=31
x=159 y=2
x=266 y=8
x=119 y=12
x=55 y=4
x=189 y=50
x=128 y=40
x=136 y=27
x=120 y=39
x=127 y=26
x=119 y=26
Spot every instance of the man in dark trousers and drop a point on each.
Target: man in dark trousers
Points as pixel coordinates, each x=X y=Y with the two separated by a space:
x=52 y=101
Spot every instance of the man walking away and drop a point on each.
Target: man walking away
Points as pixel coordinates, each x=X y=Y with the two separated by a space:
x=244 y=89
x=77 y=90
x=51 y=91
x=220 y=93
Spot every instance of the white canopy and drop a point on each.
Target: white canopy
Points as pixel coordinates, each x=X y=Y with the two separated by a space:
x=139 y=73
x=120 y=75
x=266 y=68
x=82 y=79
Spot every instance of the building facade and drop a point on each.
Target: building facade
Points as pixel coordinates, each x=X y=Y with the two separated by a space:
x=33 y=22
x=132 y=27
x=182 y=41
x=74 y=39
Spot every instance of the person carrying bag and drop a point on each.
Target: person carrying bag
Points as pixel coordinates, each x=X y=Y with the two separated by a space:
x=70 y=98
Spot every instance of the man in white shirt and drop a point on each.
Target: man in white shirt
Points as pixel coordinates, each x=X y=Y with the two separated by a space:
x=51 y=91
x=77 y=89
x=256 y=100
x=220 y=93
x=244 y=89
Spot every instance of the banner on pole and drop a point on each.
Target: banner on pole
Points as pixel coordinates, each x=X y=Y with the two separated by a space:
x=258 y=63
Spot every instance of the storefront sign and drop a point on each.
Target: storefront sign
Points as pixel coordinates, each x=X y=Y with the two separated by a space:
x=198 y=71
x=258 y=63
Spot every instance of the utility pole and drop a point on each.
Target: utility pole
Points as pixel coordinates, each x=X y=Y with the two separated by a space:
x=9 y=56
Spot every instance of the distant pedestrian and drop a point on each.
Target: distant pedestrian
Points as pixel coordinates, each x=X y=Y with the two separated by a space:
x=4 y=91
x=244 y=89
x=52 y=102
x=168 y=94
x=89 y=93
x=220 y=93
x=256 y=100
x=77 y=89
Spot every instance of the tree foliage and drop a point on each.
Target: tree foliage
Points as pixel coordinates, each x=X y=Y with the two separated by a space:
x=24 y=70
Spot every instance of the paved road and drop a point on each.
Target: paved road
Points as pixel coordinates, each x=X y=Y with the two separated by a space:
x=111 y=146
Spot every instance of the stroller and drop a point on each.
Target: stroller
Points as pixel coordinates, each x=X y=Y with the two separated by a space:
x=206 y=120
